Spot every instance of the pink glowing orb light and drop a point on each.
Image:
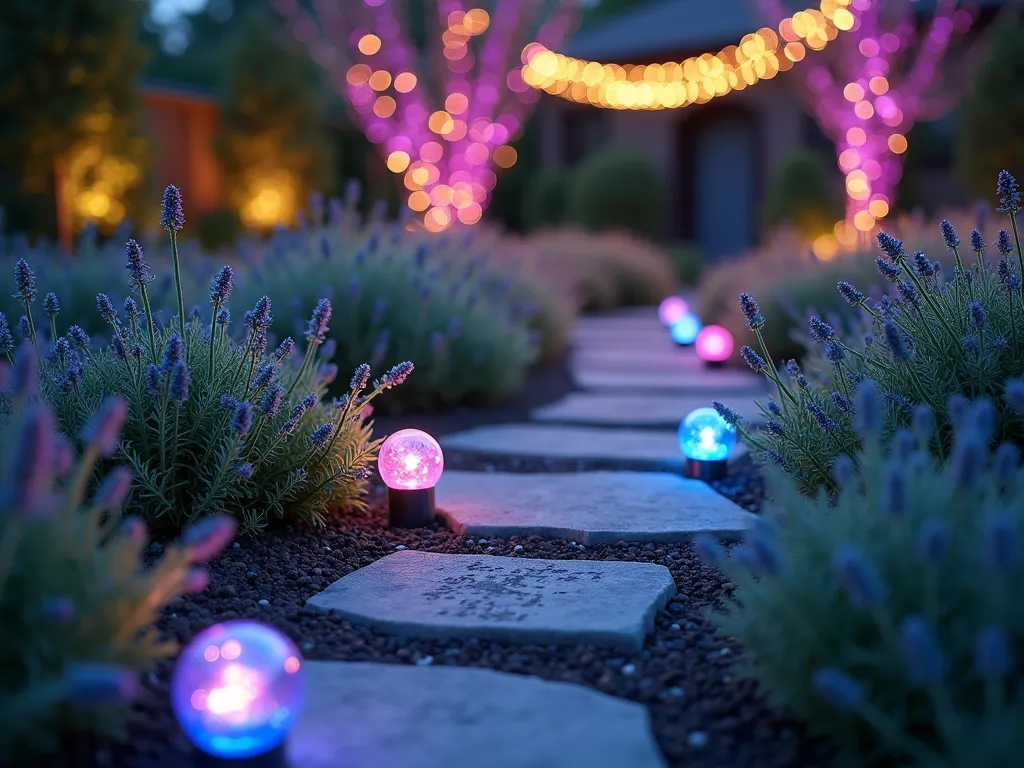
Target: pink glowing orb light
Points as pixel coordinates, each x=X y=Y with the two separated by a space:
x=238 y=689
x=714 y=344
x=671 y=310
x=410 y=460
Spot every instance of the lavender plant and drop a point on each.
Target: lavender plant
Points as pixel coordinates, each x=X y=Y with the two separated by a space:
x=888 y=618
x=930 y=340
x=217 y=423
x=77 y=605
x=473 y=327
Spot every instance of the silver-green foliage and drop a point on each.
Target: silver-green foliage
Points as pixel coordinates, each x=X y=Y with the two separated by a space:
x=889 y=617
x=472 y=326
x=216 y=423
x=77 y=604
x=930 y=340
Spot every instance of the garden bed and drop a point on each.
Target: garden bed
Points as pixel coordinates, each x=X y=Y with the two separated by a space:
x=702 y=714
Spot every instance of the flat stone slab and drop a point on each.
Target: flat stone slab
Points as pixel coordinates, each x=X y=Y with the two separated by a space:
x=363 y=715
x=638 y=410
x=515 y=600
x=625 y=447
x=588 y=507
x=632 y=357
x=715 y=381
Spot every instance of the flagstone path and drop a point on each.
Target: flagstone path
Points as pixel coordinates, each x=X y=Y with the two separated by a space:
x=636 y=385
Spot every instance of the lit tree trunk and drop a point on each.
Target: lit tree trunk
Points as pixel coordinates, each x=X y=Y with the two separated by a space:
x=871 y=86
x=445 y=127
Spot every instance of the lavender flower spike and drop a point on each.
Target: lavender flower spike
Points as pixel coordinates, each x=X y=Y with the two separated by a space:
x=270 y=404
x=106 y=308
x=103 y=430
x=726 y=412
x=820 y=330
x=841 y=690
x=205 y=540
x=172 y=214
x=34 y=461
x=891 y=247
x=6 y=339
x=925 y=661
x=138 y=270
x=316 y=329
x=978 y=317
x=751 y=312
x=1003 y=243
x=977 y=241
x=852 y=295
x=178 y=388
x=888 y=270
x=923 y=265
x=894 y=338
x=863 y=584
x=754 y=360
x=1008 y=192
x=99 y=684
x=933 y=541
x=241 y=419
x=220 y=288
x=322 y=434
x=24 y=281
x=360 y=378
x=949 y=235
x=51 y=306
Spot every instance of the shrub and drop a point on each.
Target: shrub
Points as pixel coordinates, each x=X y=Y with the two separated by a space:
x=544 y=202
x=688 y=260
x=992 y=115
x=438 y=299
x=791 y=284
x=618 y=189
x=929 y=341
x=219 y=229
x=77 y=605
x=807 y=193
x=217 y=424
x=888 y=618
x=602 y=271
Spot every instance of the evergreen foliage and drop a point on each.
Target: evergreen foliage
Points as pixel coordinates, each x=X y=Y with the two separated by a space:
x=77 y=605
x=272 y=134
x=68 y=79
x=618 y=189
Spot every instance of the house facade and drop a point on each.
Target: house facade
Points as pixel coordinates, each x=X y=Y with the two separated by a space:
x=717 y=158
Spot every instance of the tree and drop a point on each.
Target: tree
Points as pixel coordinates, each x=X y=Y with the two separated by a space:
x=873 y=84
x=441 y=93
x=992 y=118
x=69 y=99
x=273 y=145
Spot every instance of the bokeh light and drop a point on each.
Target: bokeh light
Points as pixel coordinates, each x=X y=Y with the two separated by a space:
x=684 y=330
x=714 y=344
x=238 y=689
x=672 y=309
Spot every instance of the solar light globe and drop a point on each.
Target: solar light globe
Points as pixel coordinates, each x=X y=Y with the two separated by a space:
x=706 y=440
x=684 y=331
x=410 y=463
x=237 y=691
x=671 y=309
x=714 y=345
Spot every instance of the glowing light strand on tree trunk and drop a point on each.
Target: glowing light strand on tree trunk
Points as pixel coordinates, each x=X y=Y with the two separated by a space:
x=445 y=148
x=868 y=94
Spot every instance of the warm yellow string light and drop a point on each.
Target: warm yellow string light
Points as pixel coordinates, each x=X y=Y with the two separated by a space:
x=759 y=56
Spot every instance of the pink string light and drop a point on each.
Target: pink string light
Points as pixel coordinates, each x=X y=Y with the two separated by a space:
x=445 y=127
x=871 y=90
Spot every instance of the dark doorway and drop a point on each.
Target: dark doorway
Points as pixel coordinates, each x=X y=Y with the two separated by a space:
x=720 y=160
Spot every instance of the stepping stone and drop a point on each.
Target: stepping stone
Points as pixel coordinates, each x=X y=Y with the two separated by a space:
x=588 y=507
x=359 y=715
x=505 y=599
x=627 y=448
x=638 y=410
x=714 y=381
x=666 y=358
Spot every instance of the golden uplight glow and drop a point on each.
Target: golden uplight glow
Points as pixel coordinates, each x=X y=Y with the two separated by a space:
x=398 y=161
x=270 y=200
x=758 y=56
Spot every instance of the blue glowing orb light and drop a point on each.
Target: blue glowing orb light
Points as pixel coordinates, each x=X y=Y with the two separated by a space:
x=685 y=330
x=706 y=436
x=238 y=689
